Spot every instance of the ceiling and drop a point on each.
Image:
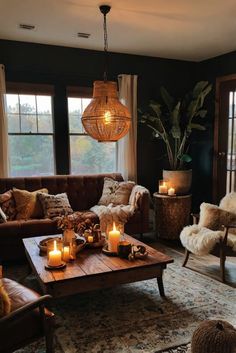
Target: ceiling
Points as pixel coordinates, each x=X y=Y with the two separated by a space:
x=178 y=29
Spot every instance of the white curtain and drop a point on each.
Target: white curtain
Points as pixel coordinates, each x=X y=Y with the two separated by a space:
x=4 y=160
x=127 y=146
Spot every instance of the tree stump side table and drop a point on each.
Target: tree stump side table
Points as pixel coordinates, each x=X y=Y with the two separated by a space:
x=172 y=214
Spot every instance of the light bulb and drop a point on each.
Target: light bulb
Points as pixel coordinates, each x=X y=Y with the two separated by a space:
x=107 y=117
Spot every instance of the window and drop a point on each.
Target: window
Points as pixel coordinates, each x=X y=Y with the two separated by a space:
x=87 y=156
x=30 y=130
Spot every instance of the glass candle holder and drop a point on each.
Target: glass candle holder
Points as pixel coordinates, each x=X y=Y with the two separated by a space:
x=163 y=186
x=54 y=253
x=73 y=249
x=66 y=252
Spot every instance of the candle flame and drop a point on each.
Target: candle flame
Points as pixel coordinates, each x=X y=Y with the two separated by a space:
x=114 y=226
x=107 y=117
x=55 y=244
x=164 y=183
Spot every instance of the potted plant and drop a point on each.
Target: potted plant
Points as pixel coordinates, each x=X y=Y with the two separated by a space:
x=173 y=122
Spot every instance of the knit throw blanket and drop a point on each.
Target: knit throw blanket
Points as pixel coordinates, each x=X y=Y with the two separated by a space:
x=120 y=213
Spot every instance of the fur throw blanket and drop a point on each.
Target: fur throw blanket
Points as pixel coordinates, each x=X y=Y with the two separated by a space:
x=201 y=240
x=120 y=213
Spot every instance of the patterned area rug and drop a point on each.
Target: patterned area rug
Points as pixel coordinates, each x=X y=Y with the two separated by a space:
x=134 y=319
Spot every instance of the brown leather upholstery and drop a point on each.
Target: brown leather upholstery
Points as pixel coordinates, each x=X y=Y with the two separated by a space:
x=27 y=327
x=83 y=192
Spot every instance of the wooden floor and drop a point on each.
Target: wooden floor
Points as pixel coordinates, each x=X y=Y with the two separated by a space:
x=208 y=265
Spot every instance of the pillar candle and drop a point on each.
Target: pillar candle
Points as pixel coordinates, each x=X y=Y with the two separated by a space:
x=113 y=239
x=54 y=256
x=171 y=192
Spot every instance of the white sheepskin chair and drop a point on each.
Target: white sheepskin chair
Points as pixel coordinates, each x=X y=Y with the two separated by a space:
x=209 y=235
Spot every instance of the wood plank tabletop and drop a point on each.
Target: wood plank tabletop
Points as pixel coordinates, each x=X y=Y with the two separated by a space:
x=89 y=262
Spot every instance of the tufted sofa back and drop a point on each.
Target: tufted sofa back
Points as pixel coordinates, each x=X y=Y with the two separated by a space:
x=83 y=191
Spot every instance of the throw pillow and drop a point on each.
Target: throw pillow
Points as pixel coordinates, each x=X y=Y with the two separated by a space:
x=55 y=205
x=27 y=203
x=115 y=192
x=3 y=216
x=5 y=302
x=213 y=217
x=8 y=205
x=228 y=203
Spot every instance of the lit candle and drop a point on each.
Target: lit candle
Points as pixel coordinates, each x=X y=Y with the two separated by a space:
x=163 y=188
x=54 y=256
x=113 y=239
x=66 y=253
x=171 y=192
x=90 y=239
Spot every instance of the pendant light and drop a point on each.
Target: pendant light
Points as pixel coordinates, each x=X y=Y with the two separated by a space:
x=105 y=119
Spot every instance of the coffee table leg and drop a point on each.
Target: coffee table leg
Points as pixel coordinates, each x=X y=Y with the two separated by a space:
x=161 y=286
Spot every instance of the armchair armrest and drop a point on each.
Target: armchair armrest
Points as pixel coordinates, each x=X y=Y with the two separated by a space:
x=17 y=314
x=226 y=228
x=196 y=217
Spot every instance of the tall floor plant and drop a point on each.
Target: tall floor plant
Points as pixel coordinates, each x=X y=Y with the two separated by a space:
x=174 y=120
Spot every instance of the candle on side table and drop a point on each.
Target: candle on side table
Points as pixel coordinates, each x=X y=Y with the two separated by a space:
x=163 y=188
x=171 y=192
x=113 y=239
x=54 y=256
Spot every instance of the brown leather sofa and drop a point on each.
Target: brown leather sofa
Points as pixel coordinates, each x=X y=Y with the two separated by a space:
x=83 y=192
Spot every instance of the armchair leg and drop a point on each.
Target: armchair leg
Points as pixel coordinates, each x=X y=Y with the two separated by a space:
x=186 y=257
x=222 y=264
x=49 y=338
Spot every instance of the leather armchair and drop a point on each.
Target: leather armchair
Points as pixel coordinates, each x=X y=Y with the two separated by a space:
x=28 y=320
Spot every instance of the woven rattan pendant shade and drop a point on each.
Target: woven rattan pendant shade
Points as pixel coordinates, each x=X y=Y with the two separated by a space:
x=105 y=118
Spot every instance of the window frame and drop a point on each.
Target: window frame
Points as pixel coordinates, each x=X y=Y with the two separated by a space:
x=33 y=90
x=82 y=92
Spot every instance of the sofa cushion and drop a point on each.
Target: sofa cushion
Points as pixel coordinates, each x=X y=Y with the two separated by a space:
x=117 y=193
x=7 y=203
x=27 y=203
x=55 y=205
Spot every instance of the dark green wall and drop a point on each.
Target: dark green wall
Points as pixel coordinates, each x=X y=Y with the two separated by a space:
x=61 y=66
x=202 y=152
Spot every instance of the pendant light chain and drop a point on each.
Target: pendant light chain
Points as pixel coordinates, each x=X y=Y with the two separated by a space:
x=106 y=119
x=105 y=49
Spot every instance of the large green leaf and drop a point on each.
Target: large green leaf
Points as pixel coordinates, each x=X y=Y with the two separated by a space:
x=202 y=113
x=185 y=158
x=199 y=87
x=156 y=107
x=176 y=130
x=168 y=100
x=204 y=93
x=197 y=127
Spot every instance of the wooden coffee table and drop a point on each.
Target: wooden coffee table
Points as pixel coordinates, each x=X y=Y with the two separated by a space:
x=94 y=270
